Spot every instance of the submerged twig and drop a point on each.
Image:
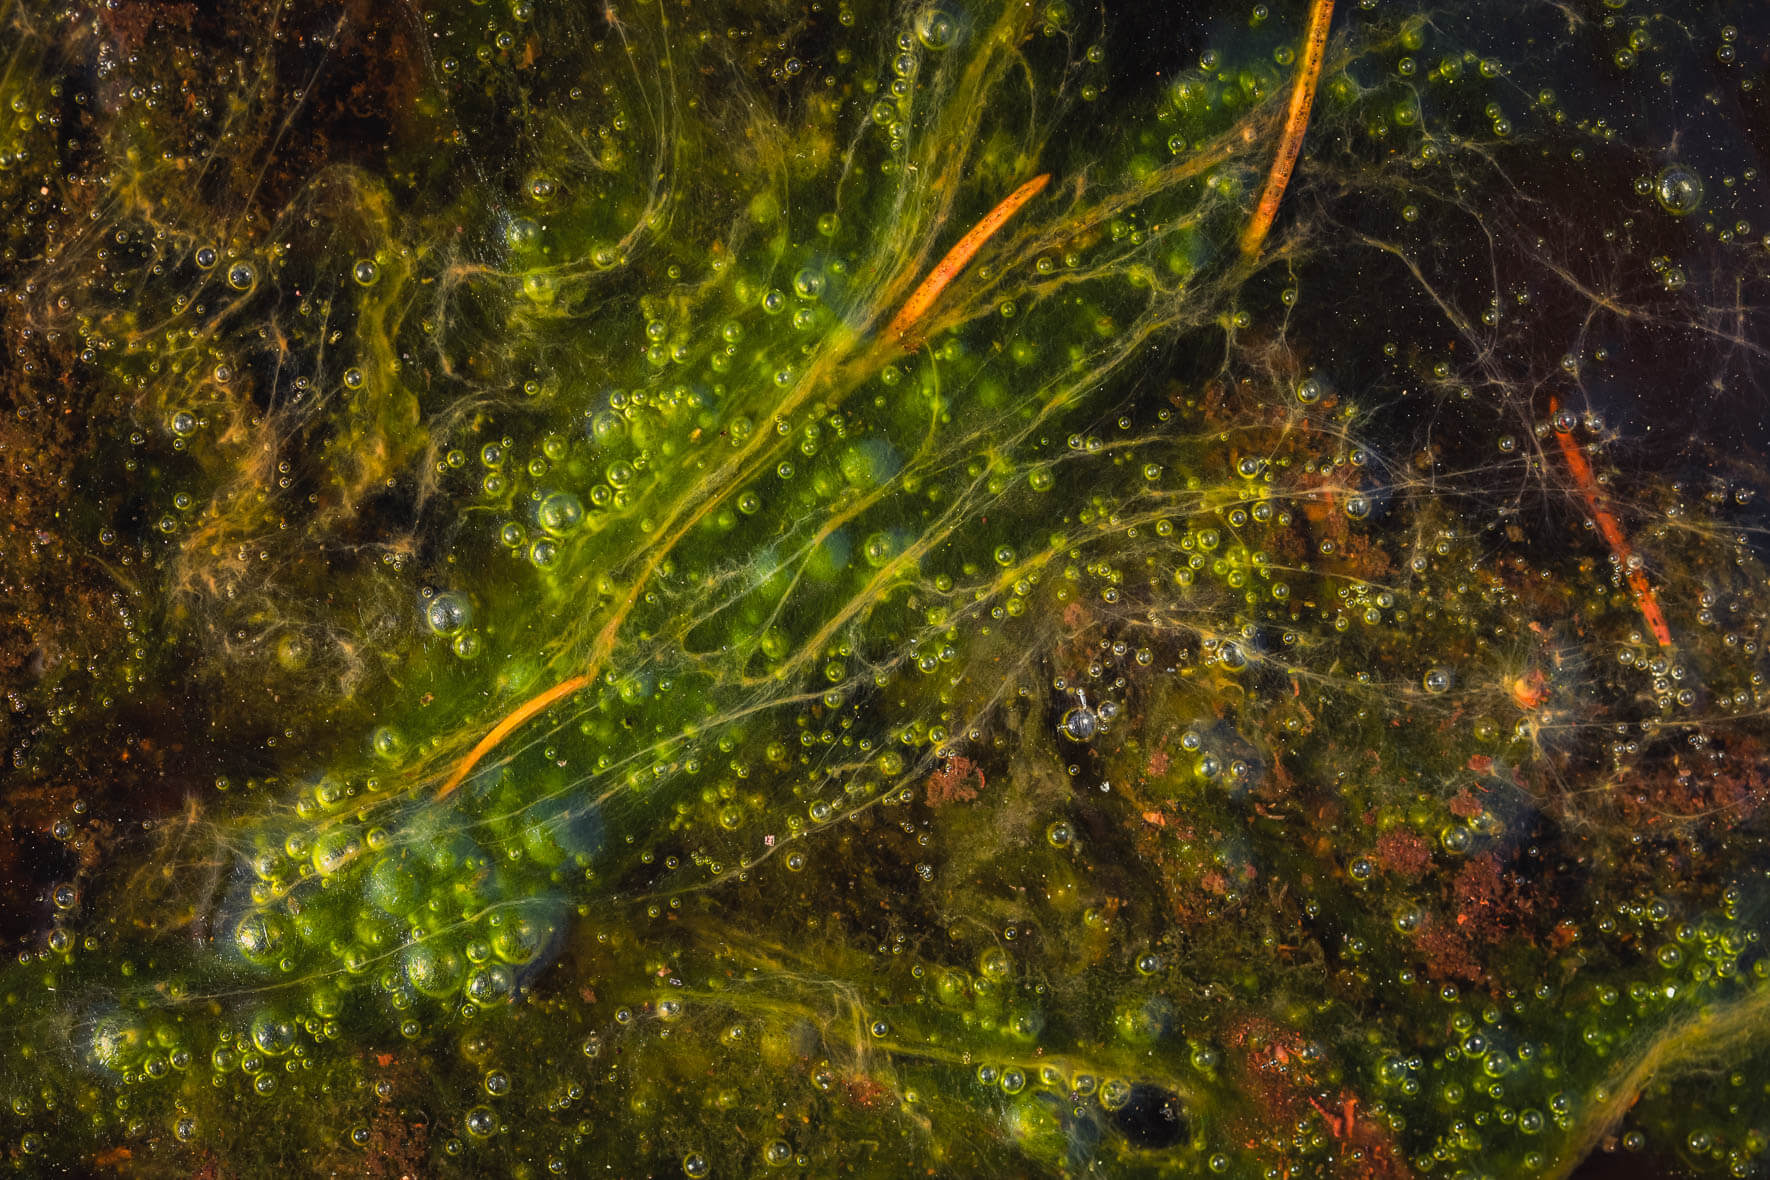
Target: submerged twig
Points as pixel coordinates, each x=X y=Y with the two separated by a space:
x=1645 y=600
x=512 y=721
x=1296 y=122
x=948 y=268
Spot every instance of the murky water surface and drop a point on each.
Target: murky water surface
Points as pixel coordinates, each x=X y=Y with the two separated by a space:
x=853 y=589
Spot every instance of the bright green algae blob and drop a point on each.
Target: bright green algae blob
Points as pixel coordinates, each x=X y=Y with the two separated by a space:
x=1172 y=718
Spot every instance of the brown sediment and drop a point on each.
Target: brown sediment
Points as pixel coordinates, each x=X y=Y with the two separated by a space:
x=1484 y=905
x=952 y=782
x=1271 y=1066
x=398 y=1144
x=1692 y=799
x=1324 y=519
x=1446 y=952
x=1485 y=899
x=1403 y=853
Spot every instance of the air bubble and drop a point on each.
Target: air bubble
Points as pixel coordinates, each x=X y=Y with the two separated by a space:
x=936 y=27
x=1678 y=188
x=1080 y=724
x=448 y=612
x=273 y=1034
x=387 y=743
x=560 y=513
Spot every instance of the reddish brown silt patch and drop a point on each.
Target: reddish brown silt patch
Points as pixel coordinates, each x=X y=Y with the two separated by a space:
x=952 y=782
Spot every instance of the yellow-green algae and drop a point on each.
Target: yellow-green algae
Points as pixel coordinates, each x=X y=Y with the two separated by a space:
x=1174 y=717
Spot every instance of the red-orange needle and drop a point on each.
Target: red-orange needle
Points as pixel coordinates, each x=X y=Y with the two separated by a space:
x=1295 y=124
x=512 y=721
x=1645 y=600
x=923 y=297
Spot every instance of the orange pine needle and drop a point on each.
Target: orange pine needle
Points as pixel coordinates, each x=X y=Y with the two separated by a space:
x=1296 y=122
x=1645 y=600
x=923 y=297
x=506 y=727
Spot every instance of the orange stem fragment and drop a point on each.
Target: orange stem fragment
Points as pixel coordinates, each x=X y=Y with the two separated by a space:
x=1645 y=600
x=923 y=297
x=1295 y=124
x=506 y=727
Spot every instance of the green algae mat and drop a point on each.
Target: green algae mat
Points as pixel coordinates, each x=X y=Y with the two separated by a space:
x=827 y=588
